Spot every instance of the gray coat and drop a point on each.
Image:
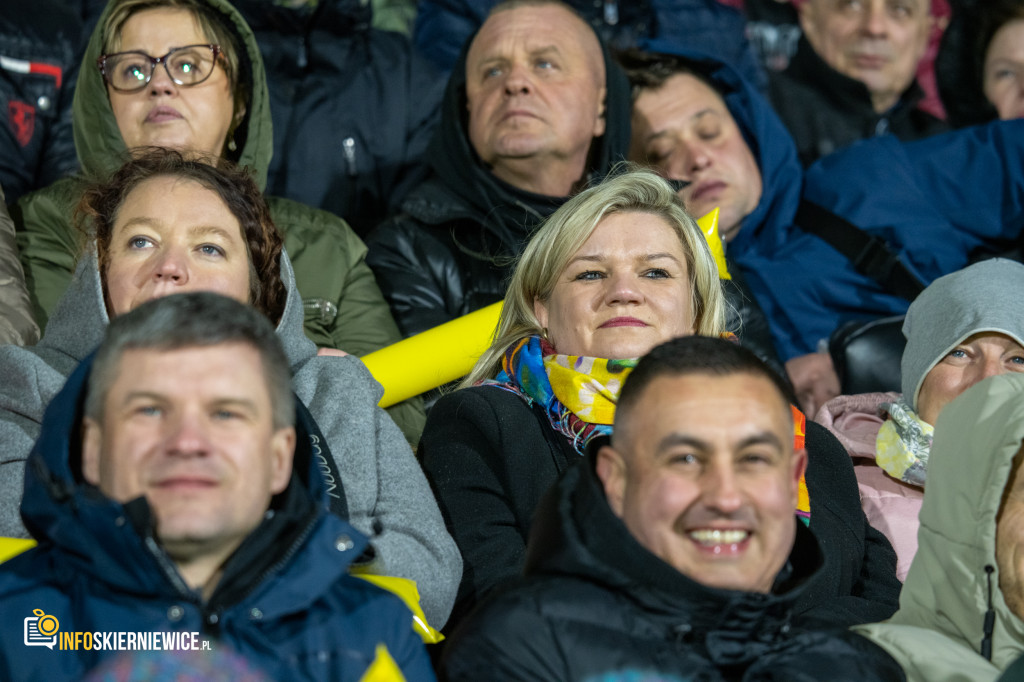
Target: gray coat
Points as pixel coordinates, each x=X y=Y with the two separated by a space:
x=387 y=495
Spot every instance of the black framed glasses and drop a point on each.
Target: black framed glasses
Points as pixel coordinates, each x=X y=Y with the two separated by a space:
x=132 y=71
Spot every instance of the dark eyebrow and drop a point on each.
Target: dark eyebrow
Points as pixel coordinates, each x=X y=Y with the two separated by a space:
x=761 y=438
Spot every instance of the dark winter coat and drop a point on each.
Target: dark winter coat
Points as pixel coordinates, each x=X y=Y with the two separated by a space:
x=39 y=46
x=353 y=107
x=490 y=457
x=285 y=602
x=825 y=110
x=934 y=201
x=596 y=605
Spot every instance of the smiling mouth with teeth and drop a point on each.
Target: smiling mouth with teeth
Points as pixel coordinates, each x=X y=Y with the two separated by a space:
x=710 y=538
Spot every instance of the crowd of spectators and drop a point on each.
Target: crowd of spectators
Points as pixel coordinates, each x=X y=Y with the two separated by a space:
x=213 y=208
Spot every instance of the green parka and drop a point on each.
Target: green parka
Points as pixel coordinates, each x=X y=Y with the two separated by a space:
x=938 y=634
x=343 y=307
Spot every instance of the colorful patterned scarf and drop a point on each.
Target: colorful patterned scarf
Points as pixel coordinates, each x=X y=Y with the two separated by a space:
x=579 y=395
x=904 y=443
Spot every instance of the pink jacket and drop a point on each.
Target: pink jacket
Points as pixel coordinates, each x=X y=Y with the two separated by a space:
x=890 y=505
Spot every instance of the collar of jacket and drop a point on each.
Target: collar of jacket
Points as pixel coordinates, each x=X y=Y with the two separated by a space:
x=511 y=213
x=575 y=533
x=847 y=93
x=101 y=150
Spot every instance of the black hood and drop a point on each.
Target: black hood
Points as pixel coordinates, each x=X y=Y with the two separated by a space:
x=510 y=213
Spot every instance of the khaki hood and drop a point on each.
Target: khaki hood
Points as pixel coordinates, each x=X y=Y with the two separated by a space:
x=938 y=631
x=98 y=140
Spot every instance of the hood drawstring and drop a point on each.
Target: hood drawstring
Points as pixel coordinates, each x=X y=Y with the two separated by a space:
x=990 y=619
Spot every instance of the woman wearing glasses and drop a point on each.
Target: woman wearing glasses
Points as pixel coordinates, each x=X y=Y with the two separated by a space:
x=187 y=74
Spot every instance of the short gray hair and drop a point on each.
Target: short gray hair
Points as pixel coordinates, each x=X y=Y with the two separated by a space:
x=192 y=320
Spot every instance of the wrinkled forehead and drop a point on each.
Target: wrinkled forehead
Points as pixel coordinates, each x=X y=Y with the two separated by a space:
x=536 y=28
x=920 y=8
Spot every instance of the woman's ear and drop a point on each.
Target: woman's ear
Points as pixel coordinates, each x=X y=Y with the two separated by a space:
x=540 y=311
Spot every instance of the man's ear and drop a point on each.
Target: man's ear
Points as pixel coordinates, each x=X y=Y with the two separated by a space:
x=799 y=468
x=600 y=123
x=611 y=469
x=282 y=451
x=92 y=442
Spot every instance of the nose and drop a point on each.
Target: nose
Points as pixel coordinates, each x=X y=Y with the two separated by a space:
x=517 y=80
x=990 y=365
x=623 y=289
x=874 y=22
x=187 y=436
x=719 y=488
x=171 y=267
x=161 y=83
x=689 y=161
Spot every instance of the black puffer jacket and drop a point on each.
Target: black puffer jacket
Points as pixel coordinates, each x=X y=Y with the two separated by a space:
x=39 y=45
x=596 y=605
x=353 y=107
x=490 y=457
x=825 y=110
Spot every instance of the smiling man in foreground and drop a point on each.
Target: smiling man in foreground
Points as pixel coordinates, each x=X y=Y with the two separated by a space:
x=674 y=550
x=175 y=496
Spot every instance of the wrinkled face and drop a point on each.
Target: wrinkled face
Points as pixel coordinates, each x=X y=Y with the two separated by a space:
x=192 y=431
x=1004 y=70
x=977 y=357
x=534 y=87
x=165 y=114
x=878 y=42
x=626 y=290
x=170 y=236
x=685 y=132
x=705 y=477
x=1010 y=540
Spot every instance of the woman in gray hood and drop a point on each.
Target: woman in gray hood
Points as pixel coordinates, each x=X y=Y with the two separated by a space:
x=166 y=224
x=964 y=327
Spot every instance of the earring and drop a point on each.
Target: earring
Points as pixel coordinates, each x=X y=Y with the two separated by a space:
x=544 y=333
x=231 y=145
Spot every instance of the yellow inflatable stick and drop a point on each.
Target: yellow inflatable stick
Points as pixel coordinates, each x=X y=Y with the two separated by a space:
x=709 y=226
x=434 y=357
x=448 y=351
x=12 y=547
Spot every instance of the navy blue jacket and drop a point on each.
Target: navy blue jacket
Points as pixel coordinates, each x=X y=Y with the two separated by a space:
x=286 y=602
x=938 y=202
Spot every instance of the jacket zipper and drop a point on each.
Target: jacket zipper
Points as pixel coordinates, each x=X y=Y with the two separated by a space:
x=348 y=146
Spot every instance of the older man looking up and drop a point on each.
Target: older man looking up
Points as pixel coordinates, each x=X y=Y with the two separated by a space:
x=534 y=109
x=675 y=550
x=174 y=489
x=852 y=76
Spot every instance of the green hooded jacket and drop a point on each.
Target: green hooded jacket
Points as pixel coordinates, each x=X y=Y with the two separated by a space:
x=937 y=634
x=344 y=309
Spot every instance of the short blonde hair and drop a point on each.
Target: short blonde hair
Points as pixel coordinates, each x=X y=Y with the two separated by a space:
x=629 y=189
